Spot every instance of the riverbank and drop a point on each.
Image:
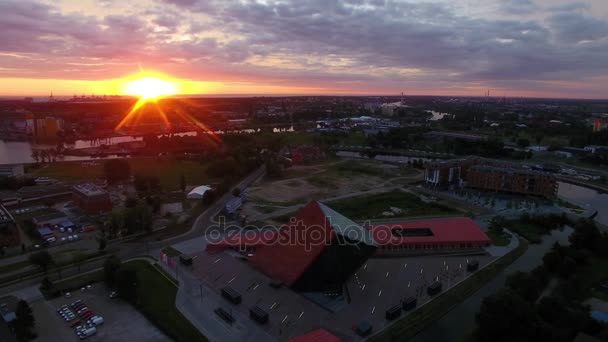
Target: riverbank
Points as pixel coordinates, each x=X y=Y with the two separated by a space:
x=460 y=320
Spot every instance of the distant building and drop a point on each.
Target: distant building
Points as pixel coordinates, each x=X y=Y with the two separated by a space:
x=390 y=109
x=12 y=170
x=50 y=219
x=490 y=175
x=91 y=198
x=9 y=232
x=512 y=180
x=47 y=128
x=306 y=154
x=596 y=149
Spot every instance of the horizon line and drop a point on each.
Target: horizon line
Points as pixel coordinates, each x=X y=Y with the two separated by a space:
x=237 y=95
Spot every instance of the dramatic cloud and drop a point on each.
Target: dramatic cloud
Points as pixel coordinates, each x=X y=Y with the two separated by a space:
x=519 y=46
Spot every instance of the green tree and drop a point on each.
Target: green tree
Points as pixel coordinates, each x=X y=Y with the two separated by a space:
x=78 y=258
x=24 y=322
x=42 y=259
x=126 y=284
x=46 y=284
x=116 y=170
x=505 y=316
x=110 y=268
x=102 y=242
x=182 y=182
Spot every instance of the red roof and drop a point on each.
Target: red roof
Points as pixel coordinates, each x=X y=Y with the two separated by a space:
x=286 y=254
x=449 y=230
x=241 y=240
x=319 y=335
x=299 y=243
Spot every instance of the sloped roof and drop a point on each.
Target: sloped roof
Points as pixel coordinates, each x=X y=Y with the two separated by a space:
x=299 y=243
x=347 y=227
x=198 y=192
x=448 y=230
x=319 y=335
x=287 y=253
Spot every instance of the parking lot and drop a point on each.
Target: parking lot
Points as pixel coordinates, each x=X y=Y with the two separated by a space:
x=378 y=285
x=121 y=322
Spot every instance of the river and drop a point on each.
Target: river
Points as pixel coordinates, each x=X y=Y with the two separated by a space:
x=20 y=152
x=461 y=319
x=585 y=198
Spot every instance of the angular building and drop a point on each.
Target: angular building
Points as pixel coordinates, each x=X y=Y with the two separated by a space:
x=316 y=251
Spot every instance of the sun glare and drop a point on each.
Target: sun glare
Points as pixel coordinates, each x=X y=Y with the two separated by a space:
x=148 y=88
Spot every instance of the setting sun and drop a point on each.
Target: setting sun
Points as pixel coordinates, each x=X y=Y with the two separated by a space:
x=150 y=88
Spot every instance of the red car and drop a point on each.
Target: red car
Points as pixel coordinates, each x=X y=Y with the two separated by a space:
x=88 y=315
x=75 y=323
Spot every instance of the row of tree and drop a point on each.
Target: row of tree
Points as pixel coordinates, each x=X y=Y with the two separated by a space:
x=517 y=313
x=24 y=324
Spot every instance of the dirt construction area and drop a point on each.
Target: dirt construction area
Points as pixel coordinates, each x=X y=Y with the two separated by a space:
x=300 y=184
x=122 y=322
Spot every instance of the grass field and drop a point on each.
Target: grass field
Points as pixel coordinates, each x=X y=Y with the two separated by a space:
x=372 y=206
x=157 y=295
x=412 y=324
x=531 y=232
x=168 y=172
x=498 y=239
x=14 y=267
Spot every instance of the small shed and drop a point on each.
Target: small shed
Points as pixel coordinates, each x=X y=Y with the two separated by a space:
x=199 y=192
x=45 y=232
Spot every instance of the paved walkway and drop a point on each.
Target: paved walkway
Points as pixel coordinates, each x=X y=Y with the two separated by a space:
x=197 y=302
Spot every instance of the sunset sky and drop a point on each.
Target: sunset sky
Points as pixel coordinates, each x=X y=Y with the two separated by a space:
x=556 y=48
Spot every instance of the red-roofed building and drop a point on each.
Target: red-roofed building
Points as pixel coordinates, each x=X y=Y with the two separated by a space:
x=316 y=251
x=437 y=234
x=319 y=335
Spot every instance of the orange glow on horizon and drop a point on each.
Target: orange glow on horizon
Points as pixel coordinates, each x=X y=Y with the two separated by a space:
x=150 y=88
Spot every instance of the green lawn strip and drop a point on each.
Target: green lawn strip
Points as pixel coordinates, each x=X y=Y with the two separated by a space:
x=169 y=173
x=75 y=283
x=15 y=266
x=531 y=232
x=372 y=206
x=499 y=239
x=415 y=322
x=171 y=252
x=156 y=295
x=60 y=264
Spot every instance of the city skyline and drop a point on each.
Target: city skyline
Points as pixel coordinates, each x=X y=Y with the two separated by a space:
x=514 y=48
